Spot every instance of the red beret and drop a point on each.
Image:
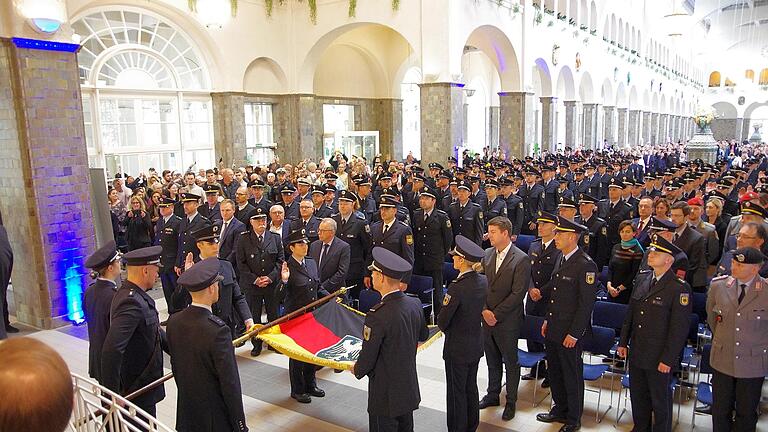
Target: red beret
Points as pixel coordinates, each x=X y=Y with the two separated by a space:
x=749 y=196
x=696 y=201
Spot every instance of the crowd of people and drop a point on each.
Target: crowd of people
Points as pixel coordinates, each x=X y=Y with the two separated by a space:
x=532 y=239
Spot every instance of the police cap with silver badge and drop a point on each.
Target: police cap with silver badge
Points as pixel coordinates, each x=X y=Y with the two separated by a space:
x=103 y=256
x=201 y=275
x=144 y=256
x=189 y=197
x=546 y=217
x=658 y=224
x=166 y=201
x=258 y=214
x=660 y=244
x=565 y=225
x=211 y=189
x=297 y=236
x=206 y=234
x=467 y=249
x=346 y=195
x=748 y=255
x=389 y=264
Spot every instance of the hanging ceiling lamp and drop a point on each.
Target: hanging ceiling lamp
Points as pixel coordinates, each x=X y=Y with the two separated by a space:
x=677 y=20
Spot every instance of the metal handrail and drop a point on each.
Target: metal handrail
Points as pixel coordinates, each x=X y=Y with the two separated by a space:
x=97 y=409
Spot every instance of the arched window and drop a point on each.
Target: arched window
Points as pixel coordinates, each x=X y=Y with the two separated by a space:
x=764 y=77
x=750 y=75
x=714 y=79
x=145 y=93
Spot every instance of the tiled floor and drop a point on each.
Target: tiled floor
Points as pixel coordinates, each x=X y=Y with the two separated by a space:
x=269 y=407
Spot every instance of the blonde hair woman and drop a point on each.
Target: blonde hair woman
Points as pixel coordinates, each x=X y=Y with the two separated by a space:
x=138 y=232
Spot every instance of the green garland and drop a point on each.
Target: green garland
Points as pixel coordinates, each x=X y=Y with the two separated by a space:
x=395 y=5
x=352 y=8
x=192 y=5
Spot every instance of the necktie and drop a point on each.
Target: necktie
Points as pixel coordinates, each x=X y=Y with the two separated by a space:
x=223 y=229
x=304 y=224
x=322 y=254
x=260 y=239
x=640 y=227
x=343 y=222
x=743 y=292
x=675 y=237
x=562 y=260
x=386 y=228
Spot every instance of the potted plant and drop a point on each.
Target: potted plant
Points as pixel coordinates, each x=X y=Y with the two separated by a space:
x=593 y=32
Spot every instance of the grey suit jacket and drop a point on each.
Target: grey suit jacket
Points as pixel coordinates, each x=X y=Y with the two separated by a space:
x=740 y=334
x=507 y=286
x=334 y=266
x=712 y=242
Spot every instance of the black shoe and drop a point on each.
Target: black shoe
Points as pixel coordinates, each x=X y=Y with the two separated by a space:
x=337 y=371
x=549 y=418
x=545 y=383
x=11 y=329
x=509 y=413
x=301 y=398
x=316 y=392
x=256 y=350
x=488 y=401
x=269 y=347
x=706 y=409
x=570 y=427
x=529 y=377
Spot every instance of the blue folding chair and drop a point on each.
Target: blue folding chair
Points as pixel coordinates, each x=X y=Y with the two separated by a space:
x=611 y=315
x=368 y=299
x=421 y=287
x=624 y=391
x=531 y=331
x=699 y=303
x=523 y=242
x=703 y=388
x=449 y=273
x=599 y=344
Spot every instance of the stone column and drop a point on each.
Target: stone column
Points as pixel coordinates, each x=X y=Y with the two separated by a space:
x=673 y=127
x=646 y=127
x=493 y=127
x=608 y=124
x=442 y=120
x=387 y=118
x=229 y=127
x=44 y=180
x=745 y=132
x=739 y=127
x=664 y=126
x=572 y=138
x=303 y=131
x=654 y=128
x=517 y=128
x=589 y=119
x=549 y=123
x=633 y=138
x=622 y=127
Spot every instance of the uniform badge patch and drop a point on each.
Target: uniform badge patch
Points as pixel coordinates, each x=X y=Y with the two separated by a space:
x=480 y=214
x=590 y=278
x=604 y=231
x=586 y=239
x=520 y=205
x=448 y=223
x=366 y=332
x=409 y=239
x=680 y=274
x=684 y=298
x=446 y=299
x=367 y=228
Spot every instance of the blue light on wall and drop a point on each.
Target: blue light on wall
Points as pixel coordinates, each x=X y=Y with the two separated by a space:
x=74 y=289
x=45 y=45
x=46 y=25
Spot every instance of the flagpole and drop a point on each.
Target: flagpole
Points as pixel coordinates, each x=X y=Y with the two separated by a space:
x=246 y=336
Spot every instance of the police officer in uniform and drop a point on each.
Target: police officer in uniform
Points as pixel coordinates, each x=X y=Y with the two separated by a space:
x=614 y=210
x=105 y=268
x=595 y=240
x=571 y=293
x=231 y=306
x=466 y=216
x=212 y=213
x=736 y=312
x=393 y=235
x=353 y=228
x=302 y=286
x=132 y=354
x=544 y=256
x=462 y=310
x=260 y=255
x=532 y=194
x=434 y=238
x=392 y=331
x=515 y=210
x=655 y=329
x=203 y=358
x=192 y=221
x=167 y=236
x=496 y=204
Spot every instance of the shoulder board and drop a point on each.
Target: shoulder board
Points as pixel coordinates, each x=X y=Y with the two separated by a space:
x=599 y=219
x=403 y=223
x=244 y=232
x=335 y=214
x=537 y=239
x=454 y=203
x=360 y=216
x=376 y=307
x=216 y=320
x=720 y=277
x=441 y=212
x=626 y=204
x=474 y=204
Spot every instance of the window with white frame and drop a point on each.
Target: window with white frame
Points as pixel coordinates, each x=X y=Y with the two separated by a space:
x=146 y=100
x=259 y=133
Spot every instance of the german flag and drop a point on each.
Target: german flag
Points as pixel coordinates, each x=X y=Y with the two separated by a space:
x=330 y=336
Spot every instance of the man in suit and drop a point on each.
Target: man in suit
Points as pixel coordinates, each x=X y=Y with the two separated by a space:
x=693 y=244
x=105 y=268
x=260 y=255
x=544 y=256
x=131 y=356
x=642 y=222
x=230 y=231
x=736 y=312
x=392 y=331
x=244 y=209
x=655 y=329
x=203 y=358
x=167 y=235
x=393 y=235
x=302 y=286
x=750 y=235
x=508 y=271
x=571 y=293
x=434 y=238
x=331 y=255
x=192 y=221
x=277 y=223
x=463 y=347
x=307 y=220
x=211 y=209
x=707 y=230
x=354 y=230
